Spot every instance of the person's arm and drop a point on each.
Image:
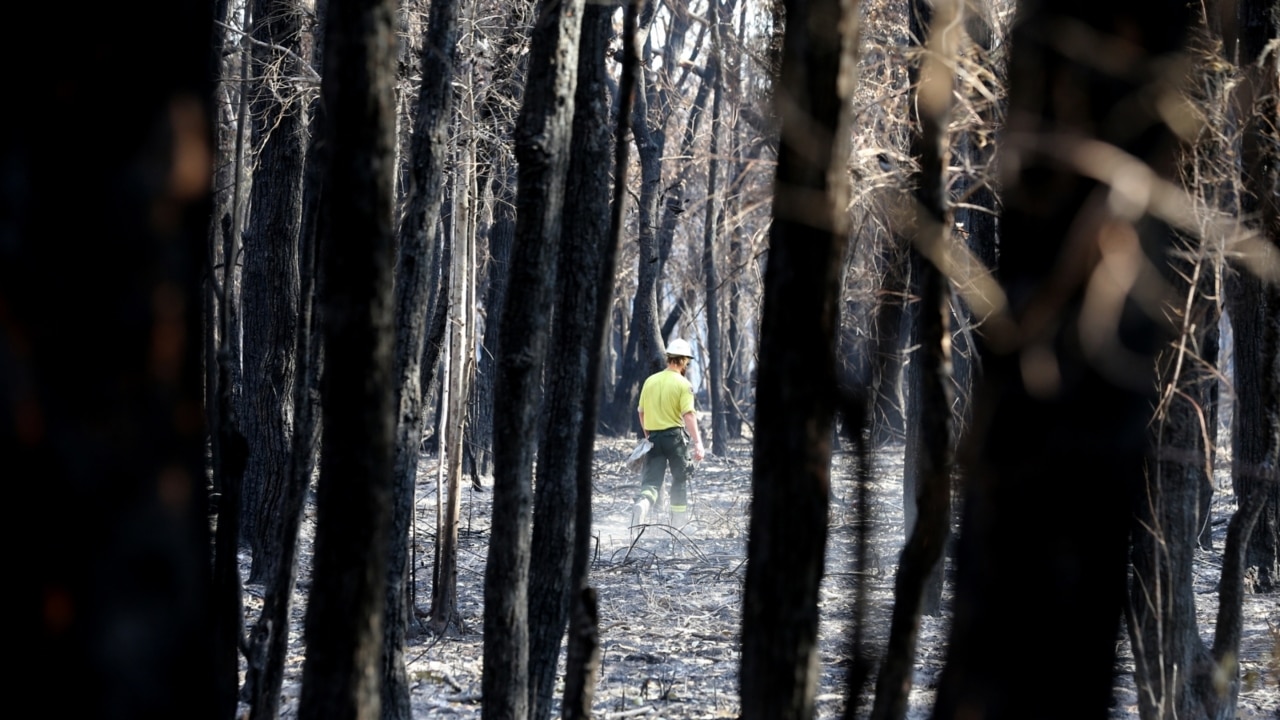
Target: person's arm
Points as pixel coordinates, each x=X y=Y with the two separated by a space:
x=691 y=425
x=642 y=427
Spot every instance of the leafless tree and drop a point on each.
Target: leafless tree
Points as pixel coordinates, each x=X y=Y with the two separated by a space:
x=543 y=135
x=415 y=357
x=356 y=238
x=795 y=394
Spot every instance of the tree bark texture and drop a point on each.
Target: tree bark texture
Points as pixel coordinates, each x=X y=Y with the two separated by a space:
x=413 y=293
x=712 y=227
x=106 y=219
x=264 y=684
x=270 y=276
x=1171 y=663
x=543 y=133
x=583 y=655
x=454 y=391
x=567 y=445
x=797 y=385
x=353 y=504
x=1055 y=458
x=1254 y=304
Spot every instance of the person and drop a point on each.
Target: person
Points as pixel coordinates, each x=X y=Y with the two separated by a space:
x=669 y=421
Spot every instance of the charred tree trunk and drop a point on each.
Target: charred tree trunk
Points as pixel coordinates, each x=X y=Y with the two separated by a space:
x=797 y=384
x=644 y=339
x=587 y=253
x=712 y=222
x=1060 y=428
x=1171 y=663
x=413 y=364
x=356 y=240
x=269 y=640
x=498 y=169
x=101 y=429
x=543 y=134
x=1254 y=304
x=270 y=280
x=927 y=465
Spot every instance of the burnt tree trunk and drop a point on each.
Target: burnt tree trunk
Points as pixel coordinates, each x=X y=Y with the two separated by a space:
x=1060 y=422
x=645 y=348
x=927 y=465
x=565 y=455
x=105 y=218
x=1254 y=304
x=796 y=391
x=270 y=636
x=498 y=169
x=356 y=241
x=414 y=362
x=543 y=135
x=1171 y=663
x=270 y=276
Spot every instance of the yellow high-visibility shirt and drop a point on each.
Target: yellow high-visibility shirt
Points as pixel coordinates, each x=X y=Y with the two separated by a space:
x=664 y=399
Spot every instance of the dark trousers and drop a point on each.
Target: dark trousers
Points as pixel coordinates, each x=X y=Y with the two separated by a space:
x=670 y=448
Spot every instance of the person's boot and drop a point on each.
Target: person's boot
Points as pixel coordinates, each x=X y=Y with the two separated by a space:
x=679 y=518
x=640 y=512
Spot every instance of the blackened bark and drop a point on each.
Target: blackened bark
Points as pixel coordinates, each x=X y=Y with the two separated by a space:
x=917 y=587
x=501 y=236
x=1060 y=429
x=1220 y=698
x=228 y=450
x=1174 y=670
x=712 y=225
x=978 y=217
x=356 y=241
x=444 y=568
x=1170 y=660
x=888 y=417
x=270 y=277
x=543 y=134
x=101 y=428
x=583 y=655
x=413 y=293
x=797 y=386
x=644 y=339
x=927 y=462
x=926 y=459
x=1253 y=304
x=263 y=683
x=567 y=445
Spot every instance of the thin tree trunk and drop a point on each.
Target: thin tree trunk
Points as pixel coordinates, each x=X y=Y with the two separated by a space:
x=712 y=224
x=644 y=339
x=444 y=613
x=227 y=447
x=505 y=83
x=424 y=169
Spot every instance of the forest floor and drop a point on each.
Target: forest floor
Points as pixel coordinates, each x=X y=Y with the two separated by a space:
x=670 y=601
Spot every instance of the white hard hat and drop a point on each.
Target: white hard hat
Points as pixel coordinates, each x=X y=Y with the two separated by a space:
x=679 y=348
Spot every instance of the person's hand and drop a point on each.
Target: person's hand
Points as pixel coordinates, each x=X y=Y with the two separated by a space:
x=698 y=453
